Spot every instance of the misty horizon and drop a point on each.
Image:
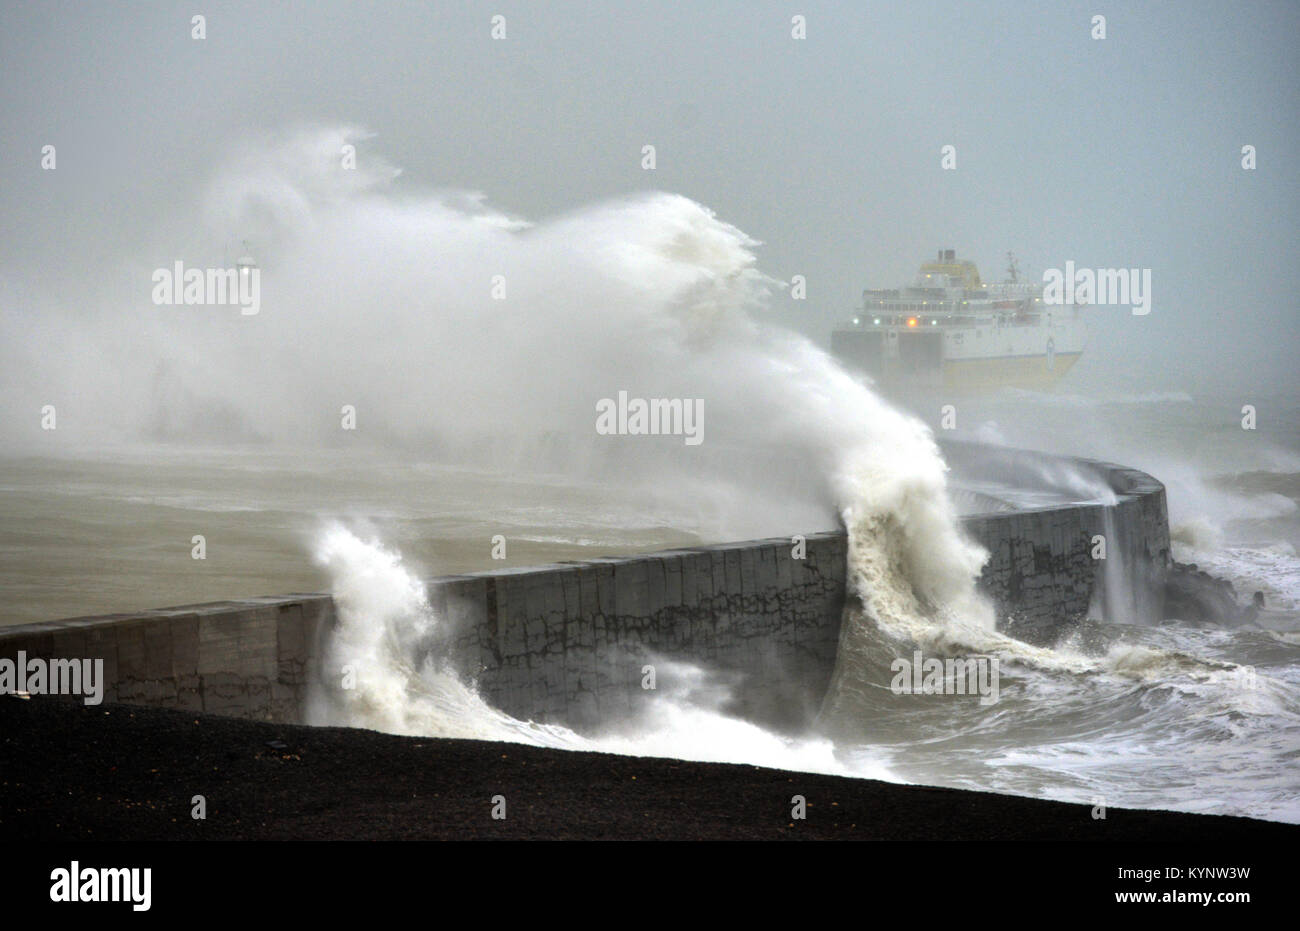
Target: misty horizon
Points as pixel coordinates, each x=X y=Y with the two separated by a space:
x=1122 y=152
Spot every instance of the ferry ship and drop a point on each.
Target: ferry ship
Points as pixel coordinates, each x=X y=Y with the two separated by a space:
x=951 y=330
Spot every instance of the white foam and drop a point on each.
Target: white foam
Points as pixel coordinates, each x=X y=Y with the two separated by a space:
x=385 y=622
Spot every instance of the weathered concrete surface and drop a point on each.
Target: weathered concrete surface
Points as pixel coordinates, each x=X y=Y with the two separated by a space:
x=1041 y=571
x=250 y=658
x=568 y=642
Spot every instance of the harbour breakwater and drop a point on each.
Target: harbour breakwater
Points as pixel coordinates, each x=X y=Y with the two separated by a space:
x=572 y=642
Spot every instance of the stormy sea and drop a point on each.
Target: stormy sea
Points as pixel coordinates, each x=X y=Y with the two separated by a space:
x=472 y=402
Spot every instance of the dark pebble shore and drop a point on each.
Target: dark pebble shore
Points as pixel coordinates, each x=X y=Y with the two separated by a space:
x=116 y=772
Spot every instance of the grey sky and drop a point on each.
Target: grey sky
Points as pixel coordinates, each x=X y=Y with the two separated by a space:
x=1122 y=152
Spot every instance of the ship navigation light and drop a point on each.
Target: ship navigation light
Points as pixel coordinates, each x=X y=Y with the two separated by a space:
x=245 y=263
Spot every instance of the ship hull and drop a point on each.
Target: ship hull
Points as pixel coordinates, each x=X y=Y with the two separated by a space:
x=921 y=359
x=978 y=375
x=1040 y=371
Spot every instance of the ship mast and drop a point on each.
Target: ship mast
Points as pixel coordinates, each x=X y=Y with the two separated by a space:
x=1013 y=270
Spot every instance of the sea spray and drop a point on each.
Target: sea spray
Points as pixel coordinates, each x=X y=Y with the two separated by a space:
x=427 y=323
x=378 y=672
x=911 y=571
x=382 y=671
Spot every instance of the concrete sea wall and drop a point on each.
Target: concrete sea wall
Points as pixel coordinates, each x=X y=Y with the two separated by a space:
x=568 y=642
x=249 y=658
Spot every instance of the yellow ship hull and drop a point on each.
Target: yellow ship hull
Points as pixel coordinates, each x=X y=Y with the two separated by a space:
x=1008 y=371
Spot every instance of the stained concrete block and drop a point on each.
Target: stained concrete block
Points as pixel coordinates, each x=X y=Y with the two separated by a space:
x=632 y=589
x=656 y=586
x=184 y=645
x=132 y=661
x=512 y=615
x=733 y=577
